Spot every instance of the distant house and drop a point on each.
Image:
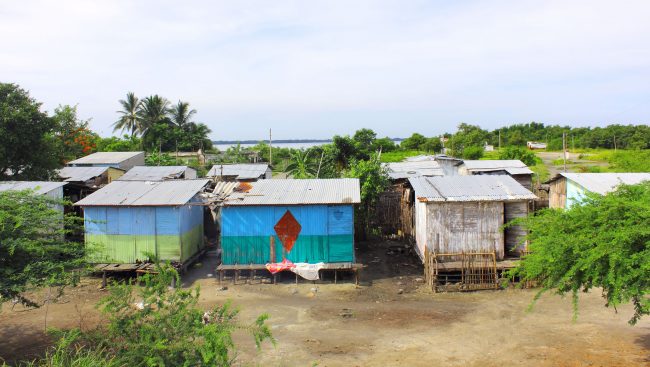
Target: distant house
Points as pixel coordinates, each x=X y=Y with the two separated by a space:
x=306 y=221
x=566 y=189
x=81 y=181
x=122 y=160
x=240 y=172
x=515 y=168
x=127 y=221
x=459 y=214
x=159 y=173
x=532 y=145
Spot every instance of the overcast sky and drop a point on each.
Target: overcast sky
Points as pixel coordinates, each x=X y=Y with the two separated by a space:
x=312 y=69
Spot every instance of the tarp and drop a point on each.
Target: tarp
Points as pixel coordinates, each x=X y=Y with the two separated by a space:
x=305 y=270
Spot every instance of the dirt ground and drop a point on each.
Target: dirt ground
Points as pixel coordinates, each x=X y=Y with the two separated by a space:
x=376 y=325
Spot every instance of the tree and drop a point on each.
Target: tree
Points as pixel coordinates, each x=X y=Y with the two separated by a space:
x=374 y=180
x=413 y=142
x=344 y=150
x=28 y=148
x=167 y=328
x=473 y=152
x=130 y=114
x=301 y=165
x=526 y=156
x=432 y=145
x=33 y=250
x=384 y=144
x=128 y=143
x=74 y=137
x=602 y=243
x=153 y=119
x=181 y=114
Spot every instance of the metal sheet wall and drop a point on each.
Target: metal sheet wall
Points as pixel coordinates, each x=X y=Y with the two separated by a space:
x=326 y=235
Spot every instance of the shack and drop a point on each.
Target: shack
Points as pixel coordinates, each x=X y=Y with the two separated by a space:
x=304 y=221
x=53 y=190
x=514 y=168
x=82 y=181
x=240 y=172
x=159 y=173
x=122 y=160
x=461 y=214
x=567 y=189
x=127 y=221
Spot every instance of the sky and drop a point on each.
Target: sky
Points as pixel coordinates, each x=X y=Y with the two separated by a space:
x=312 y=69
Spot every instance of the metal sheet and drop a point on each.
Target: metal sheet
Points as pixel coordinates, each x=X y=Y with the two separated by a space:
x=295 y=192
x=602 y=183
x=41 y=187
x=408 y=169
x=106 y=158
x=145 y=193
x=239 y=171
x=80 y=174
x=157 y=173
x=469 y=188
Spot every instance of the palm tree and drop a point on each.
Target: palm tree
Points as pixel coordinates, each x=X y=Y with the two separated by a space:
x=181 y=114
x=154 y=110
x=300 y=165
x=130 y=118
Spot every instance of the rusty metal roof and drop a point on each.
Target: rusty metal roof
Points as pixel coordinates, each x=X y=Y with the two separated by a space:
x=408 y=169
x=469 y=188
x=154 y=173
x=602 y=183
x=106 y=158
x=145 y=193
x=296 y=192
x=41 y=187
x=240 y=171
x=80 y=174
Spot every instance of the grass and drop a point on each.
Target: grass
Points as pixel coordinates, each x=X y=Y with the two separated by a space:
x=399 y=155
x=541 y=171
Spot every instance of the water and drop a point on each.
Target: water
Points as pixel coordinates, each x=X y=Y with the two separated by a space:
x=224 y=147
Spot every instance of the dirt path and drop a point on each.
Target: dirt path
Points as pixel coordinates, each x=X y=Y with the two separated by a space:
x=574 y=163
x=373 y=325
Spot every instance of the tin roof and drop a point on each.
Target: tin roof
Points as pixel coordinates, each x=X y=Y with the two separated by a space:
x=296 y=192
x=144 y=193
x=603 y=183
x=469 y=188
x=41 y=187
x=413 y=169
x=241 y=171
x=154 y=173
x=512 y=166
x=105 y=158
x=80 y=174
x=420 y=158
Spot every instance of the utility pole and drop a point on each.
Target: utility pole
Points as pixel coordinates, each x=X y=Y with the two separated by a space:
x=614 y=142
x=564 y=149
x=270 y=149
x=499 y=139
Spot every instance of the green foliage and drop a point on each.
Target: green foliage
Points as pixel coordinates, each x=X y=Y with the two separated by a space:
x=630 y=161
x=114 y=144
x=301 y=165
x=602 y=243
x=153 y=325
x=414 y=142
x=528 y=157
x=473 y=152
x=74 y=138
x=158 y=159
x=374 y=180
x=399 y=155
x=384 y=144
x=28 y=148
x=33 y=250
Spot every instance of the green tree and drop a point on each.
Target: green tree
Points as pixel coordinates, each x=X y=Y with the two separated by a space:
x=526 y=156
x=154 y=122
x=74 y=138
x=414 y=142
x=374 y=180
x=432 y=145
x=128 y=143
x=33 y=250
x=301 y=165
x=343 y=151
x=129 y=114
x=28 y=148
x=384 y=144
x=473 y=152
x=602 y=243
x=181 y=114
x=166 y=328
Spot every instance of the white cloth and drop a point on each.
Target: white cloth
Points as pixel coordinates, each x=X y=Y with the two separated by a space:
x=308 y=271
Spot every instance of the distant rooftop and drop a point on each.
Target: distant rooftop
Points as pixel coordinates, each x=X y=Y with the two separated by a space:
x=512 y=166
x=416 y=168
x=105 y=158
x=41 y=187
x=242 y=171
x=296 y=192
x=602 y=183
x=80 y=174
x=145 y=193
x=154 y=173
x=469 y=188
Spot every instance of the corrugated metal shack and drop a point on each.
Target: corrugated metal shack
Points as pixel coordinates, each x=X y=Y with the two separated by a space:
x=159 y=173
x=394 y=210
x=308 y=221
x=81 y=181
x=122 y=160
x=240 y=172
x=465 y=213
x=566 y=189
x=127 y=220
x=514 y=168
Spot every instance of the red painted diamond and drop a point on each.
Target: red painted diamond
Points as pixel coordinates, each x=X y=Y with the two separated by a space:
x=287 y=229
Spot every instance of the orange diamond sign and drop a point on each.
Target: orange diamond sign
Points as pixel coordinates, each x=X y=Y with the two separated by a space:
x=287 y=229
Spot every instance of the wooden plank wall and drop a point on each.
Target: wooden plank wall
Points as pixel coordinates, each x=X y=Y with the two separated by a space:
x=557 y=193
x=515 y=234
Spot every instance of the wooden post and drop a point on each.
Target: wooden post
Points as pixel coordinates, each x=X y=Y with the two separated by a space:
x=336 y=272
x=272 y=249
x=103 y=279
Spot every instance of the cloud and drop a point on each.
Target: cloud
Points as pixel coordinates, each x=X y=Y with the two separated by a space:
x=313 y=69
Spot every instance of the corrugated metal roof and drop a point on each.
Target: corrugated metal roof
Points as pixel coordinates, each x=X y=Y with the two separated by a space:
x=469 y=188
x=603 y=183
x=492 y=164
x=420 y=158
x=413 y=169
x=41 y=187
x=145 y=193
x=105 y=158
x=224 y=188
x=154 y=173
x=80 y=174
x=296 y=192
x=241 y=171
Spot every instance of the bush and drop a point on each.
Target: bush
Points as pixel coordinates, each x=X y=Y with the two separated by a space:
x=529 y=158
x=473 y=152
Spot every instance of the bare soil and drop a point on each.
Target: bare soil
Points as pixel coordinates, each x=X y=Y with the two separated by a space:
x=374 y=325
